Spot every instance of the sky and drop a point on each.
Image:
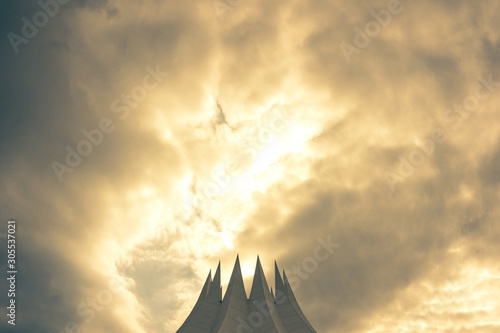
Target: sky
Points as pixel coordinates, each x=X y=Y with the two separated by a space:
x=142 y=142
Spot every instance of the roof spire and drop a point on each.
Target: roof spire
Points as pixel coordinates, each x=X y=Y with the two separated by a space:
x=259 y=284
x=234 y=304
x=261 y=300
x=215 y=292
x=278 y=281
x=295 y=305
x=281 y=312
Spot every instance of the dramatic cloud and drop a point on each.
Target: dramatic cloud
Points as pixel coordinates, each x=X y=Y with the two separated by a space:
x=142 y=142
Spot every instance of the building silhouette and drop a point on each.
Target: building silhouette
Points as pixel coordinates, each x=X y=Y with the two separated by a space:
x=263 y=312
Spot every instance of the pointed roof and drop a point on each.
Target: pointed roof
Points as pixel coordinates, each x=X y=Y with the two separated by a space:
x=234 y=304
x=259 y=284
x=215 y=292
x=290 y=299
x=236 y=286
x=261 y=301
x=206 y=309
x=278 y=282
x=279 y=309
x=204 y=290
x=198 y=304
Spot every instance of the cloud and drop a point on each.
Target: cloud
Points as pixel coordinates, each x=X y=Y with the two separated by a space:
x=159 y=201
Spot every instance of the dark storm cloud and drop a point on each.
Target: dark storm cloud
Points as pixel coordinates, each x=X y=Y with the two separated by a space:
x=58 y=222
